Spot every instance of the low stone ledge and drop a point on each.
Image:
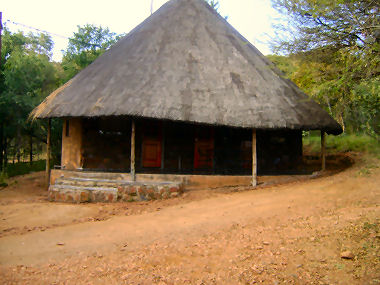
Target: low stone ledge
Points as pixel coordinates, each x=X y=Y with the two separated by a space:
x=146 y=192
x=81 y=196
x=127 y=193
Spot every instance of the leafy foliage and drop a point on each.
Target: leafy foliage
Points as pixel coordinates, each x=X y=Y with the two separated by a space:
x=27 y=76
x=22 y=168
x=329 y=23
x=333 y=55
x=343 y=143
x=3 y=179
x=87 y=44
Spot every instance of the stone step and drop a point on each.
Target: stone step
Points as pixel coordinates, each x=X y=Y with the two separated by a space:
x=100 y=175
x=93 y=182
x=90 y=182
x=82 y=188
x=81 y=194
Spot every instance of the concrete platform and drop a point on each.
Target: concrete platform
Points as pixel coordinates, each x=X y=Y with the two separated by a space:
x=190 y=181
x=81 y=187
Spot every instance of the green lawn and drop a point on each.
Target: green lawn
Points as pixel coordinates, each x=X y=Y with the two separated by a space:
x=20 y=168
x=343 y=143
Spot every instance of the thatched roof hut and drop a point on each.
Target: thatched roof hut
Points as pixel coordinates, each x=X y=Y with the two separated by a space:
x=186 y=63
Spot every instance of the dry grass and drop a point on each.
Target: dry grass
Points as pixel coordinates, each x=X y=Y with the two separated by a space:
x=40 y=109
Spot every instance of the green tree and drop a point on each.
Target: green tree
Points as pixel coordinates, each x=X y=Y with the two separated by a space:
x=334 y=47
x=329 y=23
x=87 y=44
x=27 y=76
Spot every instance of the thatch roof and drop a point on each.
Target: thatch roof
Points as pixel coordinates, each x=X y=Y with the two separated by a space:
x=186 y=63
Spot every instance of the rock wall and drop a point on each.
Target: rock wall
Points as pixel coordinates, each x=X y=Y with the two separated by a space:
x=149 y=192
x=123 y=193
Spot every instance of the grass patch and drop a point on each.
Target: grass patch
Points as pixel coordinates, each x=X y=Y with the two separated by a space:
x=21 y=168
x=342 y=143
x=3 y=179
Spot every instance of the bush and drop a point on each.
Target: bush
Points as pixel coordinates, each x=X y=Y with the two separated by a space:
x=3 y=179
x=21 y=168
x=343 y=143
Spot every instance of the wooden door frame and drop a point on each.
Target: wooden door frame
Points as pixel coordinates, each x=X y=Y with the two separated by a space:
x=159 y=140
x=196 y=140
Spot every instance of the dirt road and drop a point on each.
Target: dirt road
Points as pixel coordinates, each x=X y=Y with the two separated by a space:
x=291 y=233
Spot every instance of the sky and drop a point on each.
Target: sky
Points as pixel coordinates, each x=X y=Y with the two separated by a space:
x=252 y=18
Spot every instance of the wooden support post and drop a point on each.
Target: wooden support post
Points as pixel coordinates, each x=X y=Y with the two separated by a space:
x=1 y=146
x=163 y=138
x=323 y=150
x=133 y=154
x=254 y=159
x=48 y=142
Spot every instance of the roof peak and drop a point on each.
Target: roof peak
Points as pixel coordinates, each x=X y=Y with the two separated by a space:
x=187 y=63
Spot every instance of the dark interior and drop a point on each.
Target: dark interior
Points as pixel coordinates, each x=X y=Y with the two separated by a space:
x=182 y=148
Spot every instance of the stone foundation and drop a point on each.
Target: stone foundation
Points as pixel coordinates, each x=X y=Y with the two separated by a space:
x=144 y=192
x=190 y=181
x=77 y=190
x=81 y=195
x=86 y=186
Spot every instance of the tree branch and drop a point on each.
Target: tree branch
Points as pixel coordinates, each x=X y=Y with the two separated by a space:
x=319 y=21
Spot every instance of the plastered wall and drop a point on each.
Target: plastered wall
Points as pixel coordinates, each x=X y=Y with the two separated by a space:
x=72 y=144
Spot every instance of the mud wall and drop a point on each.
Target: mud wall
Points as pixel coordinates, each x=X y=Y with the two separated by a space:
x=72 y=144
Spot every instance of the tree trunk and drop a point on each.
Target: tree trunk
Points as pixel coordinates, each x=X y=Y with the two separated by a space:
x=133 y=135
x=328 y=104
x=5 y=164
x=342 y=121
x=31 y=149
x=254 y=159
x=1 y=146
x=48 y=142
x=18 y=145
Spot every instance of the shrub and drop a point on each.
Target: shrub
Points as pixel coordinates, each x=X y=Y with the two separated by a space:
x=343 y=143
x=3 y=179
x=21 y=168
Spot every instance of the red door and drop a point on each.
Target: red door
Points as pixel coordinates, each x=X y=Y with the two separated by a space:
x=204 y=149
x=152 y=147
x=246 y=154
x=151 y=152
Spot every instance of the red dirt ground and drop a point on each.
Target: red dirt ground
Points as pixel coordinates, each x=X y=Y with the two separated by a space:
x=292 y=233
